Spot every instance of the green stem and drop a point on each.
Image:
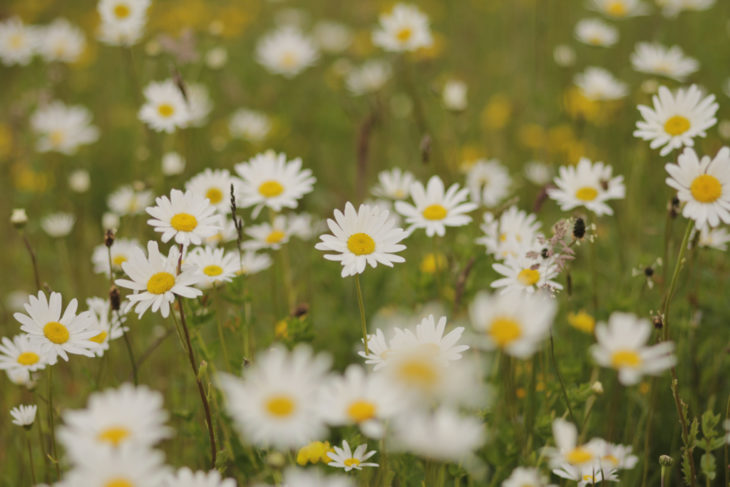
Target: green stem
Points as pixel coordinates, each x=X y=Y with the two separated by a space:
x=673 y=284
x=51 y=424
x=219 y=323
x=30 y=458
x=560 y=379
x=363 y=323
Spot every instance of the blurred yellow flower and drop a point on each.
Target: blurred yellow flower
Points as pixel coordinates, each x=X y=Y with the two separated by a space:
x=497 y=112
x=582 y=321
x=314 y=452
x=281 y=329
x=433 y=262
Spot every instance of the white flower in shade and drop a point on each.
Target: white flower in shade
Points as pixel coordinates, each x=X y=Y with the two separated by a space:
x=360 y=398
x=523 y=274
x=404 y=28
x=488 y=182
x=596 y=32
x=199 y=104
x=252 y=263
x=589 y=185
x=58 y=225
x=215 y=266
x=538 y=172
x=622 y=345
x=155 y=281
x=299 y=477
x=127 y=465
x=269 y=235
x=61 y=41
x=394 y=184
x=305 y=226
x=172 y=164
x=110 y=221
x=347 y=459
x=226 y=233
x=676 y=119
x=121 y=250
x=215 y=185
x=564 y=55
x=79 y=181
x=18 y=42
x=613 y=456
x=440 y=435
x=599 y=85
x=512 y=235
x=216 y=58
x=117 y=34
x=62 y=128
x=24 y=415
x=379 y=350
x=586 y=476
x=332 y=36
x=369 y=77
x=703 y=185
x=654 y=58
x=366 y=236
x=18 y=217
x=526 y=477
x=165 y=108
x=713 y=238
x=21 y=377
x=430 y=336
x=268 y=179
x=185 y=477
x=454 y=95
x=275 y=404
x=122 y=21
x=59 y=335
x=434 y=208
x=188 y=217
x=567 y=450
x=515 y=323
x=672 y=8
x=286 y=51
x=129 y=200
x=23 y=355
x=118 y=418
x=619 y=9
x=108 y=324
x=250 y=125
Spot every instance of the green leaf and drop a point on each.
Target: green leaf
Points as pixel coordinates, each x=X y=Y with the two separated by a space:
x=707 y=465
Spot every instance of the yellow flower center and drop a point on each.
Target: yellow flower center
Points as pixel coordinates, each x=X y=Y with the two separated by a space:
x=586 y=193
x=269 y=189
x=504 y=331
x=589 y=478
x=706 y=188
x=184 y=222
x=275 y=237
x=56 y=137
x=582 y=321
x=17 y=41
x=99 y=338
x=676 y=125
x=119 y=259
x=617 y=8
x=119 y=483
x=165 y=110
x=404 y=34
x=352 y=462
x=122 y=11
x=611 y=458
x=56 y=332
x=361 y=244
x=434 y=212
x=28 y=358
x=280 y=406
x=625 y=358
x=212 y=270
x=361 y=411
x=528 y=277
x=578 y=455
x=214 y=195
x=289 y=60
x=419 y=372
x=160 y=282
x=114 y=435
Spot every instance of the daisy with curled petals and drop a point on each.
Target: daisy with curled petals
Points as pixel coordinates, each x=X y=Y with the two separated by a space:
x=155 y=281
x=622 y=345
x=215 y=266
x=345 y=458
x=589 y=185
x=394 y=184
x=713 y=238
x=215 y=185
x=434 y=208
x=125 y=466
x=676 y=119
x=108 y=324
x=703 y=185
x=120 y=251
x=275 y=403
x=187 y=217
x=619 y=9
x=268 y=179
x=24 y=415
x=515 y=323
x=378 y=350
x=286 y=51
x=405 y=28
x=185 y=477
x=511 y=235
x=58 y=334
x=654 y=58
x=22 y=355
x=586 y=476
x=526 y=275
x=364 y=237
x=567 y=450
x=165 y=108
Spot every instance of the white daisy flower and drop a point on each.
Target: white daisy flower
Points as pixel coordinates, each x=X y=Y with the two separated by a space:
x=526 y=275
x=672 y=8
x=586 y=476
x=23 y=355
x=275 y=403
x=269 y=235
x=379 y=350
x=268 y=179
x=488 y=182
x=676 y=119
x=364 y=237
x=216 y=266
x=253 y=263
x=286 y=51
x=121 y=417
x=121 y=34
x=199 y=104
x=125 y=466
x=656 y=59
x=18 y=42
x=215 y=185
x=250 y=125
x=347 y=459
x=129 y=200
x=430 y=336
x=526 y=477
x=79 y=181
x=622 y=345
x=619 y=9
x=21 y=377
x=61 y=41
x=305 y=226
x=453 y=95
x=404 y=28
x=185 y=477
x=394 y=184
x=515 y=323
x=703 y=185
x=713 y=238
x=165 y=108
x=369 y=77
x=512 y=235
x=188 y=217
x=600 y=85
x=62 y=128
x=155 y=281
x=121 y=249
x=332 y=36
x=226 y=233
x=58 y=225
x=434 y=208
x=589 y=184
x=612 y=455
x=108 y=325
x=24 y=415
x=172 y=164
x=567 y=450
x=538 y=173
x=122 y=21
x=596 y=32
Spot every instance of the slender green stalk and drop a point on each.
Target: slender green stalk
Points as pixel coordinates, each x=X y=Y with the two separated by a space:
x=363 y=323
x=51 y=424
x=219 y=324
x=560 y=379
x=30 y=458
x=33 y=260
x=127 y=342
x=673 y=284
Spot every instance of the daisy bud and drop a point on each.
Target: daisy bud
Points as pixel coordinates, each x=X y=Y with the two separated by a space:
x=665 y=460
x=597 y=387
x=109 y=237
x=276 y=460
x=18 y=218
x=24 y=415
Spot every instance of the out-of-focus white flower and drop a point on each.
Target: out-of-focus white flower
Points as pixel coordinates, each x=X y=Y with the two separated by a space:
x=58 y=224
x=332 y=36
x=454 y=95
x=172 y=164
x=79 y=181
x=61 y=41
